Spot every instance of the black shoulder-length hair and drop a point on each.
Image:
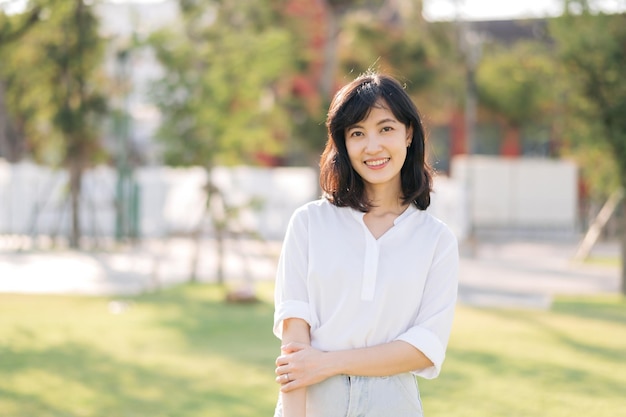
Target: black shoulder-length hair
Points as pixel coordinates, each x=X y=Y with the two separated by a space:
x=341 y=184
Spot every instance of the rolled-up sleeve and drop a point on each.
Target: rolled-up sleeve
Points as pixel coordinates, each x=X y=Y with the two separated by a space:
x=431 y=330
x=291 y=298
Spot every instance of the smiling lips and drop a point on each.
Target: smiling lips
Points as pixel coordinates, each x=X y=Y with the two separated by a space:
x=375 y=163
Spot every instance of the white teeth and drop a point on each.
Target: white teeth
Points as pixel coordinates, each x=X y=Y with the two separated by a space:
x=376 y=162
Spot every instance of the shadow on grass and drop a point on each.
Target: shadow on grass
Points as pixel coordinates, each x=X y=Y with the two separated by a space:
x=588 y=346
x=79 y=376
x=464 y=364
x=197 y=312
x=109 y=387
x=563 y=360
x=609 y=308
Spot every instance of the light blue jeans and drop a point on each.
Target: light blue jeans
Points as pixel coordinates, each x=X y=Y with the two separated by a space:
x=357 y=396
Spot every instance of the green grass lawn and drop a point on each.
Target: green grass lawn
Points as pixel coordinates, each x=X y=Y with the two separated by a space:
x=183 y=352
x=608 y=261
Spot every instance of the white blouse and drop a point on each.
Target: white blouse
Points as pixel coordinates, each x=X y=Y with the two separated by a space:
x=357 y=291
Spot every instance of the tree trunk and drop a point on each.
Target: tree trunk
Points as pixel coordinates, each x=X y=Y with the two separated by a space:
x=215 y=209
x=219 y=221
x=76 y=174
x=219 y=241
x=197 y=243
x=197 y=233
x=10 y=148
x=623 y=242
x=593 y=233
x=4 y=118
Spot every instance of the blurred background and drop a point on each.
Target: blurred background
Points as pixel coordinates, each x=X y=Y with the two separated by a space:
x=154 y=145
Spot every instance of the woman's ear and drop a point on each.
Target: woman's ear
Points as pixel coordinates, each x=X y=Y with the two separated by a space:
x=409 y=136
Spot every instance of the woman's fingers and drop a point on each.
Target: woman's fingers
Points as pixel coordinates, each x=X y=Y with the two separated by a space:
x=284 y=378
x=293 y=347
x=282 y=360
x=287 y=350
x=298 y=368
x=281 y=370
x=290 y=386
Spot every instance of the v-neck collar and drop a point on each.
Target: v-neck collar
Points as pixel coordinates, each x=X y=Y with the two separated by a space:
x=360 y=217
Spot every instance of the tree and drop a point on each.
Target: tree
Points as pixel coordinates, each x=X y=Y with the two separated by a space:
x=54 y=94
x=406 y=47
x=515 y=83
x=592 y=48
x=12 y=28
x=76 y=56
x=227 y=69
x=336 y=10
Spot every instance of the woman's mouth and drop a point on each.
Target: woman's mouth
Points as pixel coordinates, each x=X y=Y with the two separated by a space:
x=374 y=163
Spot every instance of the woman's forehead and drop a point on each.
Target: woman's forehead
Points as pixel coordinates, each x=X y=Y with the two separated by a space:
x=379 y=109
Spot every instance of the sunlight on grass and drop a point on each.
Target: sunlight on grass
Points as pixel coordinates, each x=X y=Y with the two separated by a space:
x=179 y=352
x=609 y=261
x=185 y=352
x=523 y=363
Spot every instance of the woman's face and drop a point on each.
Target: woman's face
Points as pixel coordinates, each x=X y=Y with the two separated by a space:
x=377 y=147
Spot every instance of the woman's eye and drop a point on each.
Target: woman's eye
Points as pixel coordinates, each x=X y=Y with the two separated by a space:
x=356 y=133
x=387 y=129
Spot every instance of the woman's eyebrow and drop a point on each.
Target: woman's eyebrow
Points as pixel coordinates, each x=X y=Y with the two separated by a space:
x=354 y=126
x=380 y=122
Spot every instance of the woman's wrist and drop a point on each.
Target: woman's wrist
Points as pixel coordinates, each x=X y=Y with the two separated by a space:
x=333 y=364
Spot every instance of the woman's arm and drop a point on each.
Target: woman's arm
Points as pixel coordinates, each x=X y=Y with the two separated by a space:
x=383 y=360
x=295 y=332
x=306 y=365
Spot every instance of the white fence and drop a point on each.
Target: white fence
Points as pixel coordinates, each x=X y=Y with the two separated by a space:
x=33 y=199
x=490 y=193
x=526 y=194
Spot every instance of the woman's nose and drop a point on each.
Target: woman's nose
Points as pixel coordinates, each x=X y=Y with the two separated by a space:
x=372 y=144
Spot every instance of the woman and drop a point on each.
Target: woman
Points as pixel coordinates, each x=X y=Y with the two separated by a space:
x=367 y=280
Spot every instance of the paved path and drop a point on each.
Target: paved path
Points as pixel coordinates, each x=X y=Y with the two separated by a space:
x=130 y=269
x=494 y=273
x=529 y=274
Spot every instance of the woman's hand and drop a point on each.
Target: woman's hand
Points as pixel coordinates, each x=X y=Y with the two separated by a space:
x=299 y=366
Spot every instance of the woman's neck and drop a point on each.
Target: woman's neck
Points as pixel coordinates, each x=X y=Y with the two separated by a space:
x=386 y=207
x=385 y=201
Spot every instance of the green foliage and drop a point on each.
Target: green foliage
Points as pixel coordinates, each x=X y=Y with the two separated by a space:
x=594 y=156
x=515 y=82
x=184 y=352
x=53 y=91
x=403 y=51
x=225 y=73
x=445 y=91
x=591 y=47
x=423 y=56
x=54 y=83
x=76 y=56
x=14 y=27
